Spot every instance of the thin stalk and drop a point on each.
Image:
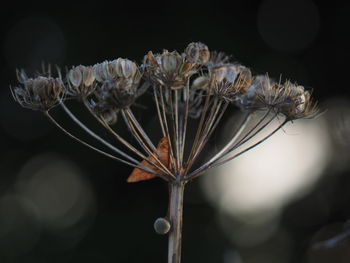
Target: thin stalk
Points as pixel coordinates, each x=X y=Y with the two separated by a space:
x=116 y=135
x=204 y=169
x=161 y=166
x=231 y=142
x=160 y=118
x=123 y=141
x=140 y=129
x=94 y=135
x=174 y=138
x=175 y=217
x=249 y=136
x=142 y=167
x=165 y=123
x=205 y=134
x=199 y=129
x=250 y=147
x=186 y=92
x=198 y=133
x=177 y=142
x=218 y=119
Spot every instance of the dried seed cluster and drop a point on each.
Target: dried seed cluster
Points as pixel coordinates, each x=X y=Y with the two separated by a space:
x=41 y=93
x=197 y=83
x=115 y=85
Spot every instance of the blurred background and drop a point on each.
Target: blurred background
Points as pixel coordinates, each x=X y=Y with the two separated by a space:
x=285 y=201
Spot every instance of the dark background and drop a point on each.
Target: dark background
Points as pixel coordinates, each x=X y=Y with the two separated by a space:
x=304 y=41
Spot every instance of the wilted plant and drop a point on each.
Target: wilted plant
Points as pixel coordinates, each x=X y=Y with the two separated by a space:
x=196 y=84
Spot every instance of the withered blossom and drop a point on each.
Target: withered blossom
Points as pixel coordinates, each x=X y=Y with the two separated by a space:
x=288 y=99
x=228 y=81
x=260 y=94
x=40 y=93
x=166 y=69
x=172 y=69
x=298 y=103
x=197 y=53
x=119 y=80
x=197 y=84
x=80 y=82
x=117 y=69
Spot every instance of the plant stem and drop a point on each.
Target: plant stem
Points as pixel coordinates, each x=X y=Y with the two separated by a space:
x=175 y=218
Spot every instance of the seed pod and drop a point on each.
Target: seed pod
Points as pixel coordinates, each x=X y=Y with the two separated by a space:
x=40 y=93
x=125 y=68
x=197 y=53
x=229 y=81
x=170 y=62
x=100 y=71
x=162 y=226
x=80 y=81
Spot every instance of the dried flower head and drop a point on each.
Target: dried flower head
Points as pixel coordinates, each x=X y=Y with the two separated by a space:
x=298 y=103
x=288 y=99
x=194 y=84
x=228 y=81
x=172 y=69
x=119 y=80
x=80 y=81
x=40 y=93
x=256 y=95
x=197 y=53
x=116 y=94
x=117 y=69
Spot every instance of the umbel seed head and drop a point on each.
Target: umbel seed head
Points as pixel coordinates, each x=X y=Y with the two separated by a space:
x=197 y=53
x=80 y=81
x=229 y=80
x=40 y=93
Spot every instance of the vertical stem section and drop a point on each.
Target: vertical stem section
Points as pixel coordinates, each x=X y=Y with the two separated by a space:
x=175 y=217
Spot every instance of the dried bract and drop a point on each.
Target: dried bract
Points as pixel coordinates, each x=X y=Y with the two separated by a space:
x=40 y=93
